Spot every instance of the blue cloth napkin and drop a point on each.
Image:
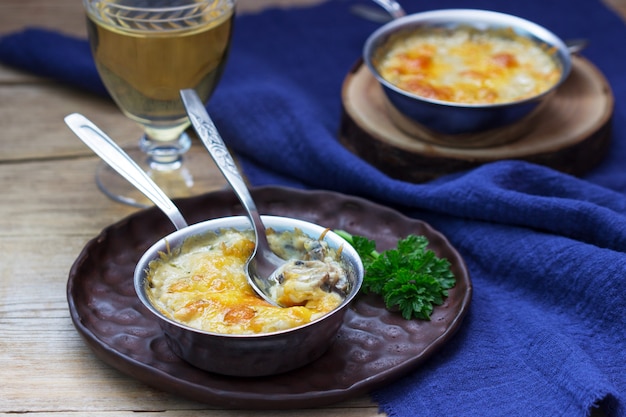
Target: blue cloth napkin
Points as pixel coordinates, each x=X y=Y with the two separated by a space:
x=546 y=332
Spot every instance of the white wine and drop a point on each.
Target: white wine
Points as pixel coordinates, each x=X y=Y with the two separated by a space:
x=145 y=59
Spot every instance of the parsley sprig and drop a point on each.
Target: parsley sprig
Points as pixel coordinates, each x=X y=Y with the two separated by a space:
x=410 y=278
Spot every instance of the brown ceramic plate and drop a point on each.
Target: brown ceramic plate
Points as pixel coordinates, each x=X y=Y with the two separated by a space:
x=373 y=347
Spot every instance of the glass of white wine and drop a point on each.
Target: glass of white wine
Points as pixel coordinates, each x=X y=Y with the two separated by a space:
x=146 y=51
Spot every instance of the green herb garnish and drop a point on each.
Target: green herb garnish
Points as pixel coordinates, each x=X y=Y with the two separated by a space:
x=410 y=278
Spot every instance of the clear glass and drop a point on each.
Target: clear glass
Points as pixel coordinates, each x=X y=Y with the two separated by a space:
x=146 y=51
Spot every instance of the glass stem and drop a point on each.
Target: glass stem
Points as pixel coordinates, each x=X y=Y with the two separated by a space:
x=165 y=155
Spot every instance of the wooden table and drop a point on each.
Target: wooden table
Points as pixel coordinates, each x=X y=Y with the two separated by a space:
x=50 y=209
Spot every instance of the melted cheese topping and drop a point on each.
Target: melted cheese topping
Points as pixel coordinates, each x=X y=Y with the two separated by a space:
x=468 y=66
x=203 y=285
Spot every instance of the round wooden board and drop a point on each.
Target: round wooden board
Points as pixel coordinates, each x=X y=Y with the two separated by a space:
x=571 y=132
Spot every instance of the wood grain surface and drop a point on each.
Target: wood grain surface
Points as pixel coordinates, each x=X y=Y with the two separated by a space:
x=50 y=209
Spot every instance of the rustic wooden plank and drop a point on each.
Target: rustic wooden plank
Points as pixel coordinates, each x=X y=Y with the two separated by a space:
x=66 y=15
x=33 y=123
x=56 y=372
x=61 y=198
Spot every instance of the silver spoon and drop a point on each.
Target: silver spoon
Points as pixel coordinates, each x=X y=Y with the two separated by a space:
x=263 y=263
x=574 y=46
x=392 y=7
x=392 y=10
x=371 y=13
x=119 y=160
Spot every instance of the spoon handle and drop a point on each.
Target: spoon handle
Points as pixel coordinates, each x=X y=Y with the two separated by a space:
x=119 y=160
x=212 y=140
x=392 y=7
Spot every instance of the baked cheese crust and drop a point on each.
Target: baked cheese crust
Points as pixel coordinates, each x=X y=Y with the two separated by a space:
x=203 y=284
x=468 y=66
